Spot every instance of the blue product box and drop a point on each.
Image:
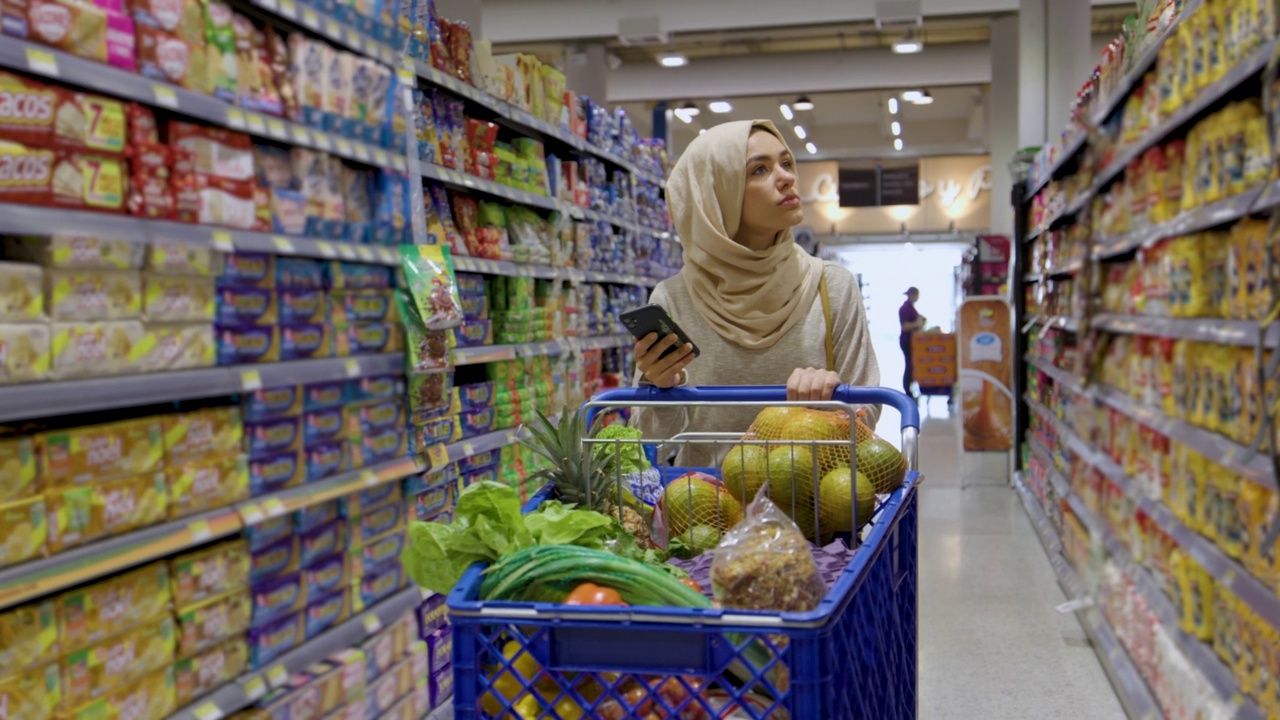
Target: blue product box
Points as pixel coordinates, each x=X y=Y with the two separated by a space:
x=325 y=575
x=320 y=396
x=244 y=344
x=476 y=396
x=433 y=615
x=325 y=460
x=418 y=484
x=375 y=388
x=262 y=535
x=248 y=270
x=378 y=586
x=280 y=558
x=272 y=437
x=327 y=612
x=271 y=403
x=476 y=422
x=304 y=342
x=378 y=446
x=321 y=426
x=310 y=518
x=375 y=523
x=277 y=598
x=361 y=306
x=275 y=473
x=246 y=306
x=370 y=499
x=358 y=276
x=430 y=503
x=269 y=642
x=474 y=333
x=321 y=541
x=439 y=649
x=479 y=461
x=369 y=418
x=378 y=553
x=302 y=307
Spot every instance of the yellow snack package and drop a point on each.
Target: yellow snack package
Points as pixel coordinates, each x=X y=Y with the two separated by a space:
x=210 y=572
x=178 y=298
x=1223 y=493
x=1224 y=619
x=78 y=295
x=1268 y=691
x=17 y=469
x=1239 y=289
x=1246 y=665
x=201 y=434
x=153 y=697
x=207 y=624
x=25 y=352
x=1255 y=235
x=72 y=251
x=174 y=346
x=207 y=484
x=95 y=671
x=95 y=612
x=33 y=694
x=199 y=675
x=25 y=529
x=180 y=259
x=1247 y=387
x=1215 y=246
x=1200 y=588
x=78 y=515
x=28 y=633
x=1199 y=467
x=100 y=452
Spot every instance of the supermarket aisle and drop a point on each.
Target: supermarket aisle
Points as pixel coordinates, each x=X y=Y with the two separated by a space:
x=991 y=644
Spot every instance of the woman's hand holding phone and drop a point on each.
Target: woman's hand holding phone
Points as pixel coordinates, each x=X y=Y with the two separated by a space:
x=663 y=372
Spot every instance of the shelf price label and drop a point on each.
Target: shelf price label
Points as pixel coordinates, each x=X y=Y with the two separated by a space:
x=274 y=507
x=275 y=128
x=332 y=29
x=222 y=241
x=207 y=711
x=283 y=245
x=301 y=135
x=354 y=40
x=200 y=531
x=321 y=140
x=348 y=252
x=369 y=478
x=468 y=449
x=165 y=96
x=250 y=380
x=388 y=256
x=365 y=253
x=372 y=624
x=310 y=19
x=277 y=676
x=235 y=118
x=362 y=153
x=252 y=515
x=255 y=688
x=352 y=368
x=42 y=62
x=343 y=145
x=439 y=455
x=255 y=124
x=380 y=157
x=288 y=8
x=326 y=249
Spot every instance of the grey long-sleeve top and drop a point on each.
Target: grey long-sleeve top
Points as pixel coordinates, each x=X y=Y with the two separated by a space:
x=723 y=363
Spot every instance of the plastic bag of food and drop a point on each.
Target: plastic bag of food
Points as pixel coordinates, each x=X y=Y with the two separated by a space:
x=764 y=563
x=429 y=271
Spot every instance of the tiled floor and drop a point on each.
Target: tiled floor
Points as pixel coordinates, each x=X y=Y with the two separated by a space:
x=991 y=644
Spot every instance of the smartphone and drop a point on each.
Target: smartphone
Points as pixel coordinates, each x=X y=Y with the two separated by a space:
x=653 y=319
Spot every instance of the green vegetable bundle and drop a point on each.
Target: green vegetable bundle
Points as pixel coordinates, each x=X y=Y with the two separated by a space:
x=629 y=450
x=550 y=572
x=488 y=525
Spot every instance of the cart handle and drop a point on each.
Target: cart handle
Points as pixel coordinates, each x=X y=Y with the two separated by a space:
x=767 y=395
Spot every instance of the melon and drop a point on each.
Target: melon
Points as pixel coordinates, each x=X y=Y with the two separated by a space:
x=745 y=470
x=829 y=426
x=791 y=476
x=882 y=464
x=769 y=423
x=697 y=499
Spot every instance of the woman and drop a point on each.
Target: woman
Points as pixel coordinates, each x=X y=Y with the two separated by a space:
x=750 y=298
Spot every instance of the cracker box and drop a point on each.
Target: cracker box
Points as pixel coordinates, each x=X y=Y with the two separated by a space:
x=201 y=434
x=325 y=575
x=249 y=270
x=176 y=346
x=61 y=178
x=360 y=306
x=207 y=624
x=33 y=692
x=367 y=338
x=91 y=673
x=25 y=352
x=97 y=611
x=313 y=516
x=271 y=530
x=357 y=504
x=30 y=634
x=178 y=298
x=321 y=426
x=201 y=485
x=376 y=523
x=377 y=553
x=154 y=697
x=325 y=460
x=304 y=342
x=272 y=437
x=201 y=674
x=96 y=349
x=21 y=292
x=97 y=452
x=85 y=513
x=376 y=587
x=320 y=396
x=383 y=649
x=208 y=572
x=181 y=259
x=394 y=684
x=17 y=469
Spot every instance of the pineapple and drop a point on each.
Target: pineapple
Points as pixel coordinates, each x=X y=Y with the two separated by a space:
x=583 y=478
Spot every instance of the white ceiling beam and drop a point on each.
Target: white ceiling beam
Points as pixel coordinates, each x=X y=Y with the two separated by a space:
x=791 y=73
x=524 y=21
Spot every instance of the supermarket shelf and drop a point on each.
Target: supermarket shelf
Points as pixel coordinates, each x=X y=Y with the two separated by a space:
x=1057 y=374
x=1139 y=68
x=1211 y=94
x=1227 y=453
x=498 y=353
x=464 y=263
x=37 y=220
x=286 y=501
x=36 y=400
x=1059 y=482
x=1068 y=151
x=1062 y=322
x=1225 y=332
x=524 y=119
x=244 y=690
x=37 y=578
x=444 y=712
x=1202 y=218
x=1260 y=598
x=1132 y=691
x=44 y=61
x=331 y=30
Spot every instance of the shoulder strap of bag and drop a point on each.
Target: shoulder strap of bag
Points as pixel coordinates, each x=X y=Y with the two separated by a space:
x=826 y=316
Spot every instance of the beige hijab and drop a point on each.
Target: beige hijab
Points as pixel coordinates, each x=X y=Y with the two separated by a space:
x=751 y=298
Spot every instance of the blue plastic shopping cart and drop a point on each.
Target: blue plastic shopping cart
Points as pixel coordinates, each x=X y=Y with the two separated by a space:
x=852 y=657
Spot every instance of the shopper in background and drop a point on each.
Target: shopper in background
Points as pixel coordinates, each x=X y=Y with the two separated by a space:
x=911 y=321
x=761 y=310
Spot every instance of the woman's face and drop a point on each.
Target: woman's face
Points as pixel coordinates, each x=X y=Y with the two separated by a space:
x=771 y=202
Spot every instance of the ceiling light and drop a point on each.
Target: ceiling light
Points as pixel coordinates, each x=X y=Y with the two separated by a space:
x=896 y=128
x=803 y=103
x=721 y=107
x=673 y=60
x=684 y=114
x=908 y=45
x=800 y=133
x=893 y=106
x=786 y=111
x=912 y=95
x=813 y=149
x=897 y=143
x=924 y=99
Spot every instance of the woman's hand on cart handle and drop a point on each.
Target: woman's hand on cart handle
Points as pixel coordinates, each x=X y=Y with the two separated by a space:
x=811 y=385
x=664 y=372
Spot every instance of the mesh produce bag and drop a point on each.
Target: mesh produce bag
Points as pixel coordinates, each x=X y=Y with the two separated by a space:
x=766 y=564
x=696 y=509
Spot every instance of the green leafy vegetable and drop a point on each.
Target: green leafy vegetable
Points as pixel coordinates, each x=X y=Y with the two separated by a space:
x=629 y=450
x=488 y=525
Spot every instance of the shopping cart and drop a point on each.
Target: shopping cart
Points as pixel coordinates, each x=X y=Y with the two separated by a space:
x=854 y=656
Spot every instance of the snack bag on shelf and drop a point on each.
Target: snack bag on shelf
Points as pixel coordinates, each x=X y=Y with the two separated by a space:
x=429 y=269
x=221 y=60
